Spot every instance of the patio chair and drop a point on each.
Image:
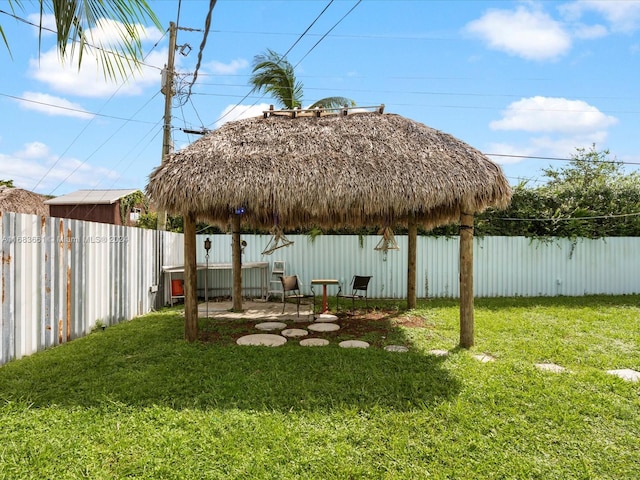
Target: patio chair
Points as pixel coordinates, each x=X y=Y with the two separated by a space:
x=291 y=290
x=359 y=285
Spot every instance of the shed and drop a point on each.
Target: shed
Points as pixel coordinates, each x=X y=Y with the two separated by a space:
x=103 y=206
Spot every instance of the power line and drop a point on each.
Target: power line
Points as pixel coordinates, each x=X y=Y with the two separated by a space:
x=566 y=219
x=207 y=25
x=327 y=33
x=289 y=50
x=85 y=112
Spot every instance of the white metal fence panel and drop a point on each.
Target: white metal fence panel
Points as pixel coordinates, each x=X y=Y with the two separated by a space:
x=60 y=277
x=503 y=266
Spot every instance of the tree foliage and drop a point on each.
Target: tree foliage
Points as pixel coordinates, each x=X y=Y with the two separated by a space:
x=273 y=74
x=591 y=197
x=75 y=20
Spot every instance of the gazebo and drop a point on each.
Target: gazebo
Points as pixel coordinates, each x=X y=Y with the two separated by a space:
x=351 y=167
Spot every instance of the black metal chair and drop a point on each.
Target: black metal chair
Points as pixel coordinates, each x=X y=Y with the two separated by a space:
x=291 y=290
x=359 y=285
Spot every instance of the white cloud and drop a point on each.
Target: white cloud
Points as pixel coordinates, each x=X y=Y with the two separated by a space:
x=589 y=32
x=35 y=165
x=505 y=149
x=547 y=114
x=48 y=23
x=622 y=16
x=55 y=106
x=558 y=125
x=230 y=68
x=564 y=146
x=525 y=32
x=238 y=112
x=91 y=80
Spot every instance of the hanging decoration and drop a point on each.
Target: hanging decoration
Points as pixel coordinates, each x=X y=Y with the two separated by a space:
x=388 y=241
x=278 y=240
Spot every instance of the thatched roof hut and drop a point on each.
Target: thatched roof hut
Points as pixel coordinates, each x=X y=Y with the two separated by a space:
x=358 y=170
x=18 y=200
x=296 y=168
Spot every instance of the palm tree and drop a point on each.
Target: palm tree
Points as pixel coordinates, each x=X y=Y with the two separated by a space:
x=75 y=17
x=272 y=73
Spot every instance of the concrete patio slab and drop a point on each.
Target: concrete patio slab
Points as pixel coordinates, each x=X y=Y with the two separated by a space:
x=255 y=310
x=266 y=339
x=626 y=374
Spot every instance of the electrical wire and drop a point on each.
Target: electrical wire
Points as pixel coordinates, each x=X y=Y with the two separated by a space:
x=85 y=112
x=289 y=50
x=207 y=25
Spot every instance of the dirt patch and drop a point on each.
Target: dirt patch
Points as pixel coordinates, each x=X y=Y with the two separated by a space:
x=376 y=326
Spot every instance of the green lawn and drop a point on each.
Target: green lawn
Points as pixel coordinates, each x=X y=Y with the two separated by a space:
x=136 y=401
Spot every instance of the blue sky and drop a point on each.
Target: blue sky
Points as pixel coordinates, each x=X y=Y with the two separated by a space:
x=522 y=78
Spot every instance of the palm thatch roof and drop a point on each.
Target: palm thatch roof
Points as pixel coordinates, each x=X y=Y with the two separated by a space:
x=358 y=169
x=22 y=201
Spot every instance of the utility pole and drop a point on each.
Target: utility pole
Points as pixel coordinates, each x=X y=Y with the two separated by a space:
x=167 y=89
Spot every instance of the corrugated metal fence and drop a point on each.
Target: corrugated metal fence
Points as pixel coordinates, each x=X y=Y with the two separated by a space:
x=503 y=266
x=61 y=276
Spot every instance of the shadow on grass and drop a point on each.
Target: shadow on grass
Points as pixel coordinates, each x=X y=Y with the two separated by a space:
x=145 y=362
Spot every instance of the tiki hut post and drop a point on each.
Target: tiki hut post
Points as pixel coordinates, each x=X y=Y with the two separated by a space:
x=236 y=262
x=190 y=279
x=411 y=264
x=466 y=280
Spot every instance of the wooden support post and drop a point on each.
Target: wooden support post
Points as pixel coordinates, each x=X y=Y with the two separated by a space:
x=466 y=280
x=411 y=264
x=236 y=259
x=190 y=279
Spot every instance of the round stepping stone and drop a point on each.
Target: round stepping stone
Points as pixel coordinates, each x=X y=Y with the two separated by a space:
x=396 y=348
x=267 y=326
x=439 y=353
x=294 y=332
x=323 y=327
x=326 y=317
x=626 y=374
x=266 y=339
x=314 y=342
x=484 y=358
x=354 y=344
x=550 y=367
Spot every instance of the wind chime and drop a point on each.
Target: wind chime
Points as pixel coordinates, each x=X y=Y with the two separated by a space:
x=278 y=240
x=387 y=242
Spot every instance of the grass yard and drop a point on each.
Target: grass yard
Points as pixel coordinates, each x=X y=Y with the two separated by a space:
x=137 y=401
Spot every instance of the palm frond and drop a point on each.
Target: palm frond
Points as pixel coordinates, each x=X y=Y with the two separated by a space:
x=273 y=74
x=76 y=19
x=334 y=102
